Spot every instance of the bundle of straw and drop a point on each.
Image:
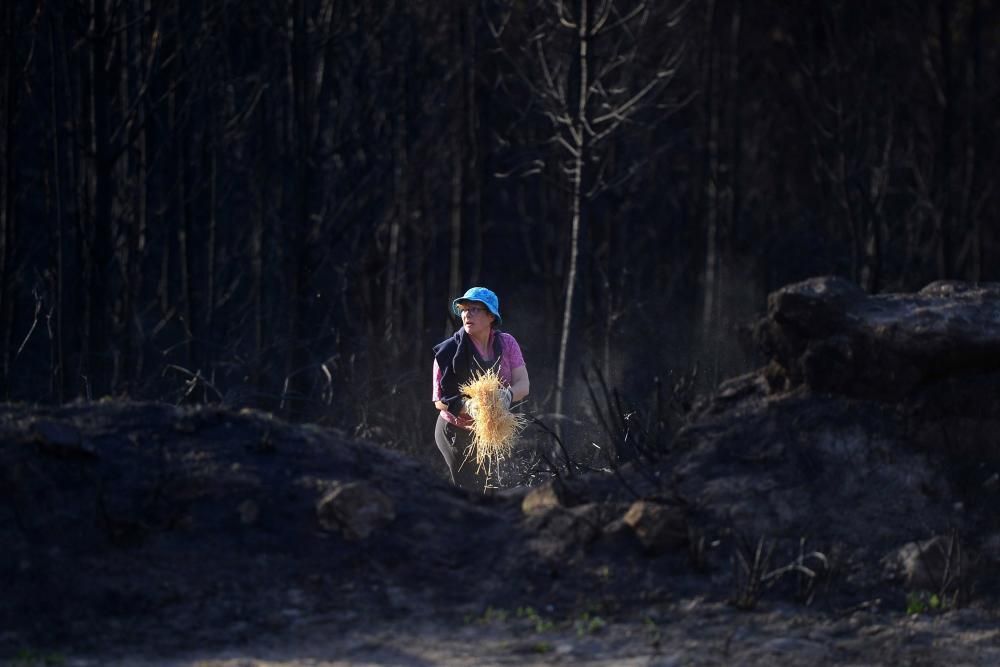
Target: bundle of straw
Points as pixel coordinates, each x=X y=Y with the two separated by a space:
x=495 y=429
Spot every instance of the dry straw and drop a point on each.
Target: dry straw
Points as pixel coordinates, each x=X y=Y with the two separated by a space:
x=495 y=430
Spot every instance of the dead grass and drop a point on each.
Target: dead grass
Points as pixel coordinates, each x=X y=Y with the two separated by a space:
x=495 y=429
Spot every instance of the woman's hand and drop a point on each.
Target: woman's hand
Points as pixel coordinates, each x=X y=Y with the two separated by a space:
x=505 y=396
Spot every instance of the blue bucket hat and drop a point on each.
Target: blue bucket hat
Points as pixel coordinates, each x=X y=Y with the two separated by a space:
x=483 y=296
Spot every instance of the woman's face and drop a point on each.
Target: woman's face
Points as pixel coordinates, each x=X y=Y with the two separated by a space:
x=476 y=319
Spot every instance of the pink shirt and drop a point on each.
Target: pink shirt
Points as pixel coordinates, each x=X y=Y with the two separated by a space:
x=510 y=359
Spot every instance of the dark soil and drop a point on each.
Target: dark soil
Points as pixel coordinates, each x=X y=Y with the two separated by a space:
x=815 y=512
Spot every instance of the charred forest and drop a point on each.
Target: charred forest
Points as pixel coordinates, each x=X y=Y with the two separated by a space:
x=272 y=204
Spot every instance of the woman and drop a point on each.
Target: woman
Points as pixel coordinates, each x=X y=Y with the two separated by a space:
x=476 y=346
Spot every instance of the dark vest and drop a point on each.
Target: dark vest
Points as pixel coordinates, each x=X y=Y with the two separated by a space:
x=457 y=358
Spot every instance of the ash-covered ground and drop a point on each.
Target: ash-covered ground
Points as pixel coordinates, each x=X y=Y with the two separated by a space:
x=839 y=506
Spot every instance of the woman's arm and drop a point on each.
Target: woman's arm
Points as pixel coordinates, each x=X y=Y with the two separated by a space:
x=436 y=372
x=519 y=383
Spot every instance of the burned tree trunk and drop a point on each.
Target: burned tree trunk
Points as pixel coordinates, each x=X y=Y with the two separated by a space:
x=7 y=192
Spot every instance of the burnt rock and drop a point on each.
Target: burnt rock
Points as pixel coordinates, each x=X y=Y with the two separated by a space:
x=357 y=509
x=659 y=527
x=559 y=533
x=827 y=334
x=553 y=493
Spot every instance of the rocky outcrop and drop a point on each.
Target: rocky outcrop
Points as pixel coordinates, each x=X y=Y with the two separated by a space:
x=872 y=426
x=830 y=336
